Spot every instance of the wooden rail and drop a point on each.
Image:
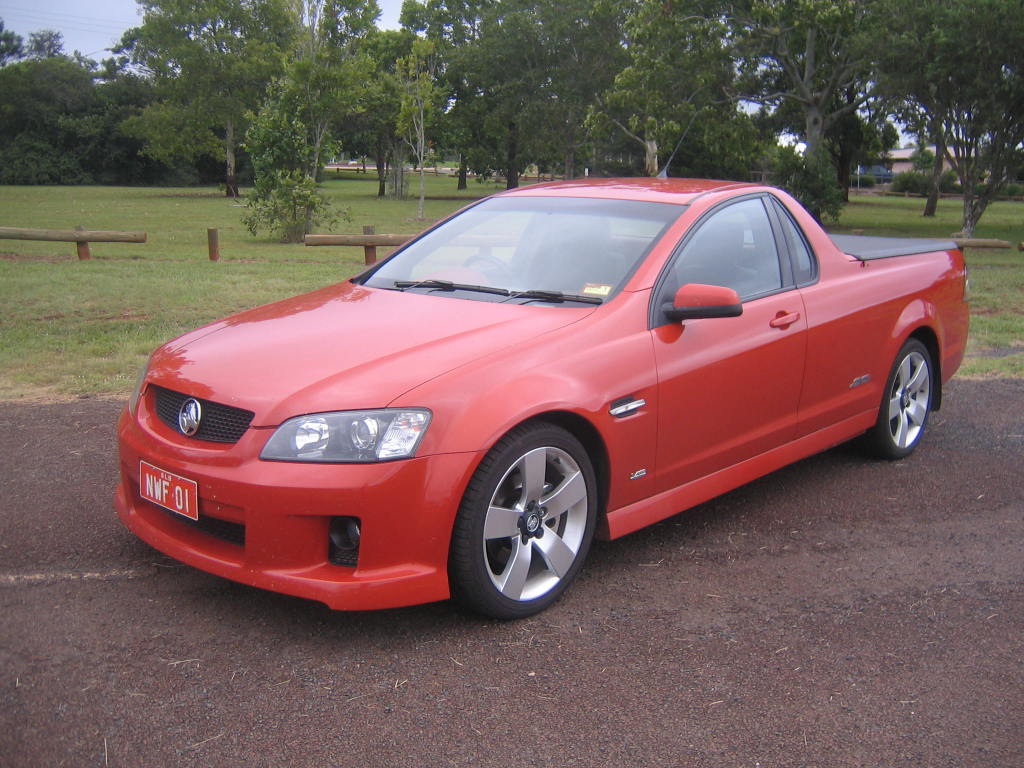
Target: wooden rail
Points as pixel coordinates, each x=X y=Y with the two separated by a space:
x=80 y=236
x=369 y=241
x=976 y=242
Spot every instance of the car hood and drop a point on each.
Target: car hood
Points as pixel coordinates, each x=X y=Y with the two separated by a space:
x=342 y=347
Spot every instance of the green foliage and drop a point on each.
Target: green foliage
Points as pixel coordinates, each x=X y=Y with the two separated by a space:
x=287 y=203
x=210 y=61
x=12 y=45
x=912 y=183
x=957 y=66
x=920 y=183
x=811 y=179
x=814 y=54
x=285 y=199
x=60 y=123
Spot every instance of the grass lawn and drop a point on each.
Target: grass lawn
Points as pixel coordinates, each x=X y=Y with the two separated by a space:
x=81 y=328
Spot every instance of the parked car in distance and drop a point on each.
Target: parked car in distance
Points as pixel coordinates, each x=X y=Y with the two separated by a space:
x=550 y=364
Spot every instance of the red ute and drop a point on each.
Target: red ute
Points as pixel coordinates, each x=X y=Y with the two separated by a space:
x=549 y=364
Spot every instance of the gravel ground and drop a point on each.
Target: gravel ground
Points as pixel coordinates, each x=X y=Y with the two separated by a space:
x=841 y=612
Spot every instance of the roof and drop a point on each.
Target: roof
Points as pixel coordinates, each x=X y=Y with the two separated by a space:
x=679 y=191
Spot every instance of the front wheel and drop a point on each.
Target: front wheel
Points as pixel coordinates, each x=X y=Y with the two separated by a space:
x=906 y=403
x=525 y=523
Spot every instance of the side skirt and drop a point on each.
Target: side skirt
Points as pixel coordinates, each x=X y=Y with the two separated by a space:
x=668 y=503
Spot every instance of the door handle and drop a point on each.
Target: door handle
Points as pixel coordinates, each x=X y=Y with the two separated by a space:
x=784 y=319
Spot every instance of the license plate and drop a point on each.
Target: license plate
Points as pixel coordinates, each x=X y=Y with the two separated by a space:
x=170 y=491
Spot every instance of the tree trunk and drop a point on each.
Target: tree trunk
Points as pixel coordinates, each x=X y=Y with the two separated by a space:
x=230 y=175
x=814 y=128
x=651 y=157
x=382 y=170
x=940 y=156
x=512 y=156
x=462 y=171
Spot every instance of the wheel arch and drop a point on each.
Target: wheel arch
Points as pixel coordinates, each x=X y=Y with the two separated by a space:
x=597 y=451
x=927 y=336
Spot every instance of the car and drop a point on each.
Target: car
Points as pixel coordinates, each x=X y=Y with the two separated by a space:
x=550 y=364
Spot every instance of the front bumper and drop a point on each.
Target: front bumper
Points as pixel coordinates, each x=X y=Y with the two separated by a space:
x=266 y=524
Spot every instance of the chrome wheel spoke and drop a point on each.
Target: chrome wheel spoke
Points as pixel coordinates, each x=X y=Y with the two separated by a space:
x=900 y=435
x=501 y=523
x=904 y=373
x=511 y=582
x=534 y=468
x=570 y=492
x=917 y=412
x=918 y=382
x=557 y=554
x=895 y=406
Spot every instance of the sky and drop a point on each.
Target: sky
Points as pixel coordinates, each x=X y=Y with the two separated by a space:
x=92 y=27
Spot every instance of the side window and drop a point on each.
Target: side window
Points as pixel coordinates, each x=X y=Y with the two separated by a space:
x=805 y=266
x=734 y=247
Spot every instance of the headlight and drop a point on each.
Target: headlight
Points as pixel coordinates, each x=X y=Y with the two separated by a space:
x=349 y=436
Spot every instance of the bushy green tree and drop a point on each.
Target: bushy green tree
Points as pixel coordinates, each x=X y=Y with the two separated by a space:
x=211 y=61
x=285 y=199
x=958 y=67
x=811 y=179
x=296 y=129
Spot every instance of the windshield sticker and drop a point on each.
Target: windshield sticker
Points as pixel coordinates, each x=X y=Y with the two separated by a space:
x=596 y=289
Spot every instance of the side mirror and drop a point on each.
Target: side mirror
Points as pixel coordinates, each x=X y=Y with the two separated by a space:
x=694 y=301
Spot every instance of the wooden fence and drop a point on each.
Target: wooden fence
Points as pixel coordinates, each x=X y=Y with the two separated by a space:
x=369 y=241
x=80 y=236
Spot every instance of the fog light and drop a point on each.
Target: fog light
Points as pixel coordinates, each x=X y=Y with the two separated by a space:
x=343 y=547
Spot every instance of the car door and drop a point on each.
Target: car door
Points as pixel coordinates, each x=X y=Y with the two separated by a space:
x=729 y=388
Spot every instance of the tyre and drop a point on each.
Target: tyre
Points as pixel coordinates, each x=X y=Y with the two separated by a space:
x=906 y=403
x=525 y=523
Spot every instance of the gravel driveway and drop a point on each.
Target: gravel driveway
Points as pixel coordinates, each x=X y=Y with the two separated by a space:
x=841 y=612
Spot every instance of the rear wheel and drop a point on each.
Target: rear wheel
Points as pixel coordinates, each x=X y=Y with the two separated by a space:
x=906 y=403
x=525 y=523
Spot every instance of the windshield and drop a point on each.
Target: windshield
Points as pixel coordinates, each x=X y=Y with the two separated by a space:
x=530 y=249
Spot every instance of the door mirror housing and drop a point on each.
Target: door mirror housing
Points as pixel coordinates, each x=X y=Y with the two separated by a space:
x=694 y=301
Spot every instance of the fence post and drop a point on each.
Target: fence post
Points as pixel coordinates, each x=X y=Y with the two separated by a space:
x=369 y=251
x=213 y=242
x=82 y=246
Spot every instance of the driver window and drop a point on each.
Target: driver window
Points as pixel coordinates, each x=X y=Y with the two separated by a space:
x=734 y=248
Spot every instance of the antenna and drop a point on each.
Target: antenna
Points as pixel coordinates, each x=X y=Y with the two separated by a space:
x=663 y=173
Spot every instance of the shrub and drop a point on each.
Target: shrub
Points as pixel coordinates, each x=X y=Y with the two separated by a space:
x=811 y=180
x=911 y=182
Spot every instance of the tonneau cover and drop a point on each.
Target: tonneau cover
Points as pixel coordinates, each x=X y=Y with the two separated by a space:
x=867 y=247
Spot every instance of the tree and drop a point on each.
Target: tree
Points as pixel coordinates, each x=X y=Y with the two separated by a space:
x=285 y=198
x=295 y=131
x=12 y=46
x=373 y=132
x=676 y=75
x=419 y=102
x=45 y=44
x=959 y=67
x=211 y=61
x=817 y=54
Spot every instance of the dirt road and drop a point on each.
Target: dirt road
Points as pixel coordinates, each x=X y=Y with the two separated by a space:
x=841 y=612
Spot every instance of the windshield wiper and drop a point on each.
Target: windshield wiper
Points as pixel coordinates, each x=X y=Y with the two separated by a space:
x=448 y=285
x=556 y=297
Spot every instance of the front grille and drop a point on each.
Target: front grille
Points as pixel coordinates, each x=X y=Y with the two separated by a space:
x=219 y=424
